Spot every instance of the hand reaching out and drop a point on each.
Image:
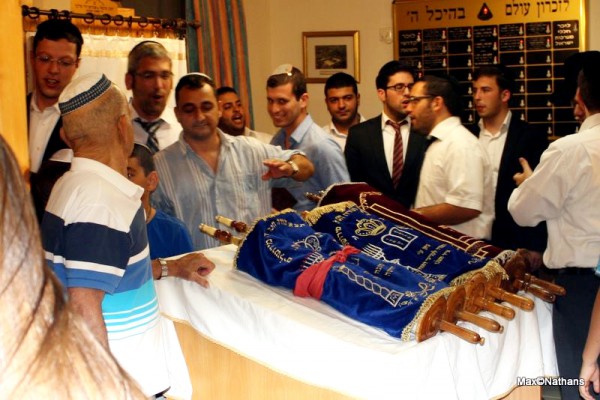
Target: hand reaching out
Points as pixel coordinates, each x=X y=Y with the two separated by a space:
x=520 y=177
x=192 y=267
x=277 y=169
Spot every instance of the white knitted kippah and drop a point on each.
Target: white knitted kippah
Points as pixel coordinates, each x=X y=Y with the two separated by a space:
x=202 y=74
x=82 y=91
x=283 y=69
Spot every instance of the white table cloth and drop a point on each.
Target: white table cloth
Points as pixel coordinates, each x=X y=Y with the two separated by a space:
x=309 y=341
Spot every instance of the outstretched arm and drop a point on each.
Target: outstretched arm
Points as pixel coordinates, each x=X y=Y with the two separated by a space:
x=191 y=267
x=283 y=169
x=448 y=214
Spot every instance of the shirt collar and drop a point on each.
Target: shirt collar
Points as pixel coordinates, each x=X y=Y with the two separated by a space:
x=128 y=188
x=300 y=130
x=333 y=130
x=590 y=122
x=185 y=148
x=385 y=119
x=34 y=107
x=503 y=128
x=444 y=128
x=134 y=115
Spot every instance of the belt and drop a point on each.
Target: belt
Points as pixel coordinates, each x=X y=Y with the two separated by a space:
x=572 y=271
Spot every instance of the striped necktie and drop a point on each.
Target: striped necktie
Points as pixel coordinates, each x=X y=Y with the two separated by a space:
x=398 y=158
x=151 y=128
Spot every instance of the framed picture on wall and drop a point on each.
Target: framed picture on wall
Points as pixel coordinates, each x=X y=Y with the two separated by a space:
x=326 y=53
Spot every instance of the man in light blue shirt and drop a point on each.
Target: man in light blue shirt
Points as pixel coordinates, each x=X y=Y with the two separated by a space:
x=287 y=103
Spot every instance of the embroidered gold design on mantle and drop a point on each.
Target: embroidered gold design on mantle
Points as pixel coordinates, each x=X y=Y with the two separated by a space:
x=369 y=227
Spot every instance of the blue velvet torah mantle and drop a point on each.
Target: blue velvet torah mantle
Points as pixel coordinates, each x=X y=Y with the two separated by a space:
x=283 y=250
x=397 y=244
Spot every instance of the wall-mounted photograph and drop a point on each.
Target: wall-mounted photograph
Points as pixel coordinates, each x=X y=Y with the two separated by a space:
x=326 y=53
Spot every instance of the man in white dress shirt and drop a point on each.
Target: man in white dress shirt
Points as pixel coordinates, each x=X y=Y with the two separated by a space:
x=150 y=79
x=342 y=100
x=233 y=115
x=564 y=191
x=54 y=60
x=456 y=186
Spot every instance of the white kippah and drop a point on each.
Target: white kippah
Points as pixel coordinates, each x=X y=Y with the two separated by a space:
x=283 y=69
x=202 y=74
x=82 y=91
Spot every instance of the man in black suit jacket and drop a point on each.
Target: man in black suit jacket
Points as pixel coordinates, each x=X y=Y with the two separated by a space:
x=54 y=60
x=370 y=145
x=506 y=139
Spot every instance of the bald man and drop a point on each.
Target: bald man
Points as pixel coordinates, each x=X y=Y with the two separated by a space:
x=94 y=232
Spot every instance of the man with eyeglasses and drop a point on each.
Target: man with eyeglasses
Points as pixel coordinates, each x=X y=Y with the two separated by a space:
x=54 y=60
x=150 y=79
x=455 y=186
x=383 y=151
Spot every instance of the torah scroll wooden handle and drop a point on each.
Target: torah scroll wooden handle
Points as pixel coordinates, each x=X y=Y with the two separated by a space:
x=495 y=308
x=433 y=321
x=239 y=226
x=455 y=311
x=534 y=290
x=486 y=323
x=523 y=303
x=463 y=333
x=476 y=300
x=544 y=284
x=313 y=197
x=220 y=235
x=520 y=279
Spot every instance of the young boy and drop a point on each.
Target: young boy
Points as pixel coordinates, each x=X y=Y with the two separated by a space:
x=167 y=236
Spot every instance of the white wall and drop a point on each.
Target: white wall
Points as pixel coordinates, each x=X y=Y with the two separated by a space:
x=593 y=30
x=275 y=29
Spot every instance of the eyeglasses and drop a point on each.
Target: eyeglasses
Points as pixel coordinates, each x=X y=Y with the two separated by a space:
x=416 y=99
x=400 y=87
x=61 y=62
x=150 y=76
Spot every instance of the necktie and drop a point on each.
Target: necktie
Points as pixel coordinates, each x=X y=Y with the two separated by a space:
x=429 y=141
x=151 y=128
x=398 y=158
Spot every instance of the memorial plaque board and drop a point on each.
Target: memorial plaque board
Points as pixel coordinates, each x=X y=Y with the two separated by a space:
x=507 y=30
x=540 y=100
x=510 y=59
x=460 y=33
x=512 y=44
x=532 y=38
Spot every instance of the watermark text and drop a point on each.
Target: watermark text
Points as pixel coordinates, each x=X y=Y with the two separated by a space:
x=549 y=381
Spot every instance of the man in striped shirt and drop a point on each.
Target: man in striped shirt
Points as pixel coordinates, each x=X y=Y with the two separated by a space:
x=94 y=232
x=208 y=172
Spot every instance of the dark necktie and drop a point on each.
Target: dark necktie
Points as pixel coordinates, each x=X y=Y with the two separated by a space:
x=151 y=128
x=429 y=141
x=398 y=158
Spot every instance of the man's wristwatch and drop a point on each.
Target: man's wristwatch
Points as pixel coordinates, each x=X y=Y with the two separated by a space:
x=164 y=270
x=294 y=166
